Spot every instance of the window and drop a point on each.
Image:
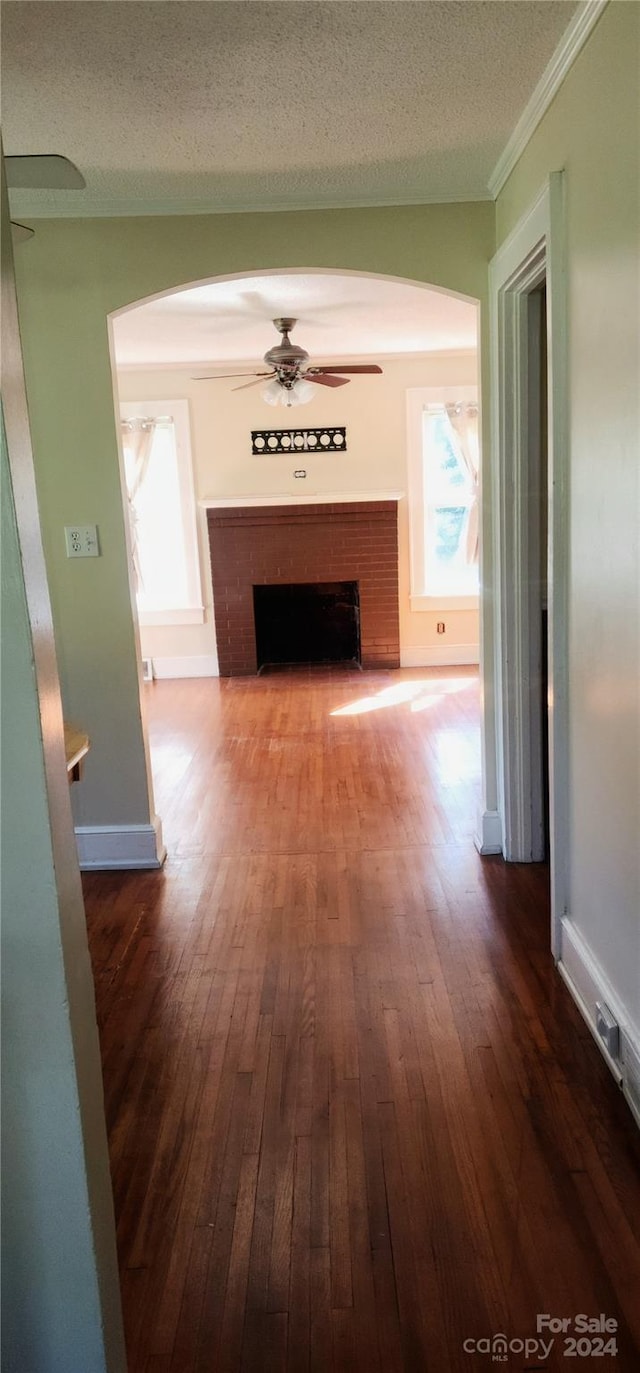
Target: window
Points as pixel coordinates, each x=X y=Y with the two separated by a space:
x=443 y=458
x=160 y=496
x=450 y=456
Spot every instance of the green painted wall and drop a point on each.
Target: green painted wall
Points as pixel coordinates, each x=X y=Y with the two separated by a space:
x=60 y=1295
x=70 y=277
x=591 y=131
x=50 y=1298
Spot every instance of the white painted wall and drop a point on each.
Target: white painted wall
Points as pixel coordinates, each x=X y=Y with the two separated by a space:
x=374 y=411
x=591 y=131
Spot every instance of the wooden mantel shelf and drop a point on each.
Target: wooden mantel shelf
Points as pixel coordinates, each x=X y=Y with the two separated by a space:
x=306 y=498
x=76 y=747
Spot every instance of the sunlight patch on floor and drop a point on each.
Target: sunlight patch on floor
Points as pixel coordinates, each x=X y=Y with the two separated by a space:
x=457 y=758
x=418 y=695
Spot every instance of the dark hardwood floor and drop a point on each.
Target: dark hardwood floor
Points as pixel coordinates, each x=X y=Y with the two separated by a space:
x=355 y=1119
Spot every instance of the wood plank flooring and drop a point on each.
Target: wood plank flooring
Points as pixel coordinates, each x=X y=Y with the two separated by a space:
x=355 y=1119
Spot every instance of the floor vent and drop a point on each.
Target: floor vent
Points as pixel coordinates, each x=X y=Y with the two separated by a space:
x=631 y=1076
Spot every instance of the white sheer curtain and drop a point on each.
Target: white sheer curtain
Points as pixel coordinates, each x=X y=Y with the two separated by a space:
x=463 y=419
x=137 y=440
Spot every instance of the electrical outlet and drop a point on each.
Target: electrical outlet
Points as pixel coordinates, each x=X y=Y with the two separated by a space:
x=440 y=627
x=82 y=540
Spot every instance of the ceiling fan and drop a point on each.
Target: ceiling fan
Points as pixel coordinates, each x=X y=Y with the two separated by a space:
x=289 y=374
x=40 y=172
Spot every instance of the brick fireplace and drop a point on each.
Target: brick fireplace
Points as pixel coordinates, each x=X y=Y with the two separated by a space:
x=276 y=545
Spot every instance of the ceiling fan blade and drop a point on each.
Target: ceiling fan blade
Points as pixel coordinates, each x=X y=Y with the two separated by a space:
x=43 y=172
x=21 y=233
x=357 y=367
x=257 y=381
x=232 y=376
x=325 y=380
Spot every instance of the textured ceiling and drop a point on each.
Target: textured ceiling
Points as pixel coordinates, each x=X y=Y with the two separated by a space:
x=219 y=106
x=340 y=316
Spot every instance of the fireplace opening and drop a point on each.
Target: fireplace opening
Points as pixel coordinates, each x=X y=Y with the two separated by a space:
x=307 y=622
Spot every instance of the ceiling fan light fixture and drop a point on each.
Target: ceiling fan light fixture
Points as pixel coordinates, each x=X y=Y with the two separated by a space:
x=303 y=391
x=298 y=394
x=273 y=393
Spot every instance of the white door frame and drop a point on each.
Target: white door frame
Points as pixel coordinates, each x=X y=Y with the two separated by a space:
x=533 y=253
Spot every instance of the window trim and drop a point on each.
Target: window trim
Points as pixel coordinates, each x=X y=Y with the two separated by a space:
x=426 y=601
x=177 y=615
x=419 y=398
x=193 y=612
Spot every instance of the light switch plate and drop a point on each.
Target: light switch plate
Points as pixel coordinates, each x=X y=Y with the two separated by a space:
x=82 y=540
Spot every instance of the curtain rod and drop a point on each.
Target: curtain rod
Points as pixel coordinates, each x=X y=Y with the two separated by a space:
x=131 y=420
x=458 y=407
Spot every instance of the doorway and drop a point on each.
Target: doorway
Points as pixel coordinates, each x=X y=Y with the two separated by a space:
x=537 y=666
x=540 y=475
x=529 y=510
x=341 y=314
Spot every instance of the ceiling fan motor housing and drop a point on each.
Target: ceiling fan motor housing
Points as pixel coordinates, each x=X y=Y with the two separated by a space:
x=286 y=358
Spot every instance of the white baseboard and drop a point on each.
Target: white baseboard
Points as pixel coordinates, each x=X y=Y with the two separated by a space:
x=206 y=664
x=120 y=846
x=588 y=983
x=488 y=836
x=436 y=655
x=195 y=665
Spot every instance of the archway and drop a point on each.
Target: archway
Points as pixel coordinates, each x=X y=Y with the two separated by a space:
x=282 y=289
x=75 y=276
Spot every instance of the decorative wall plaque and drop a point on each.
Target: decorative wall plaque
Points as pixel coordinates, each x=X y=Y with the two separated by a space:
x=327 y=440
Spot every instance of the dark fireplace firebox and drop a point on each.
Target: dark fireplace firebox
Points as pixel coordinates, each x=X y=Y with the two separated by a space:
x=307 y=622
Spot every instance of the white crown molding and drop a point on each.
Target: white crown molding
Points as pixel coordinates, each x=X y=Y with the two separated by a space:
x=21 y=205
x=571 y=43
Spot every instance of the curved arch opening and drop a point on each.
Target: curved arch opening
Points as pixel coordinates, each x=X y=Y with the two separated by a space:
x=289 y=272
x=424 y=337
